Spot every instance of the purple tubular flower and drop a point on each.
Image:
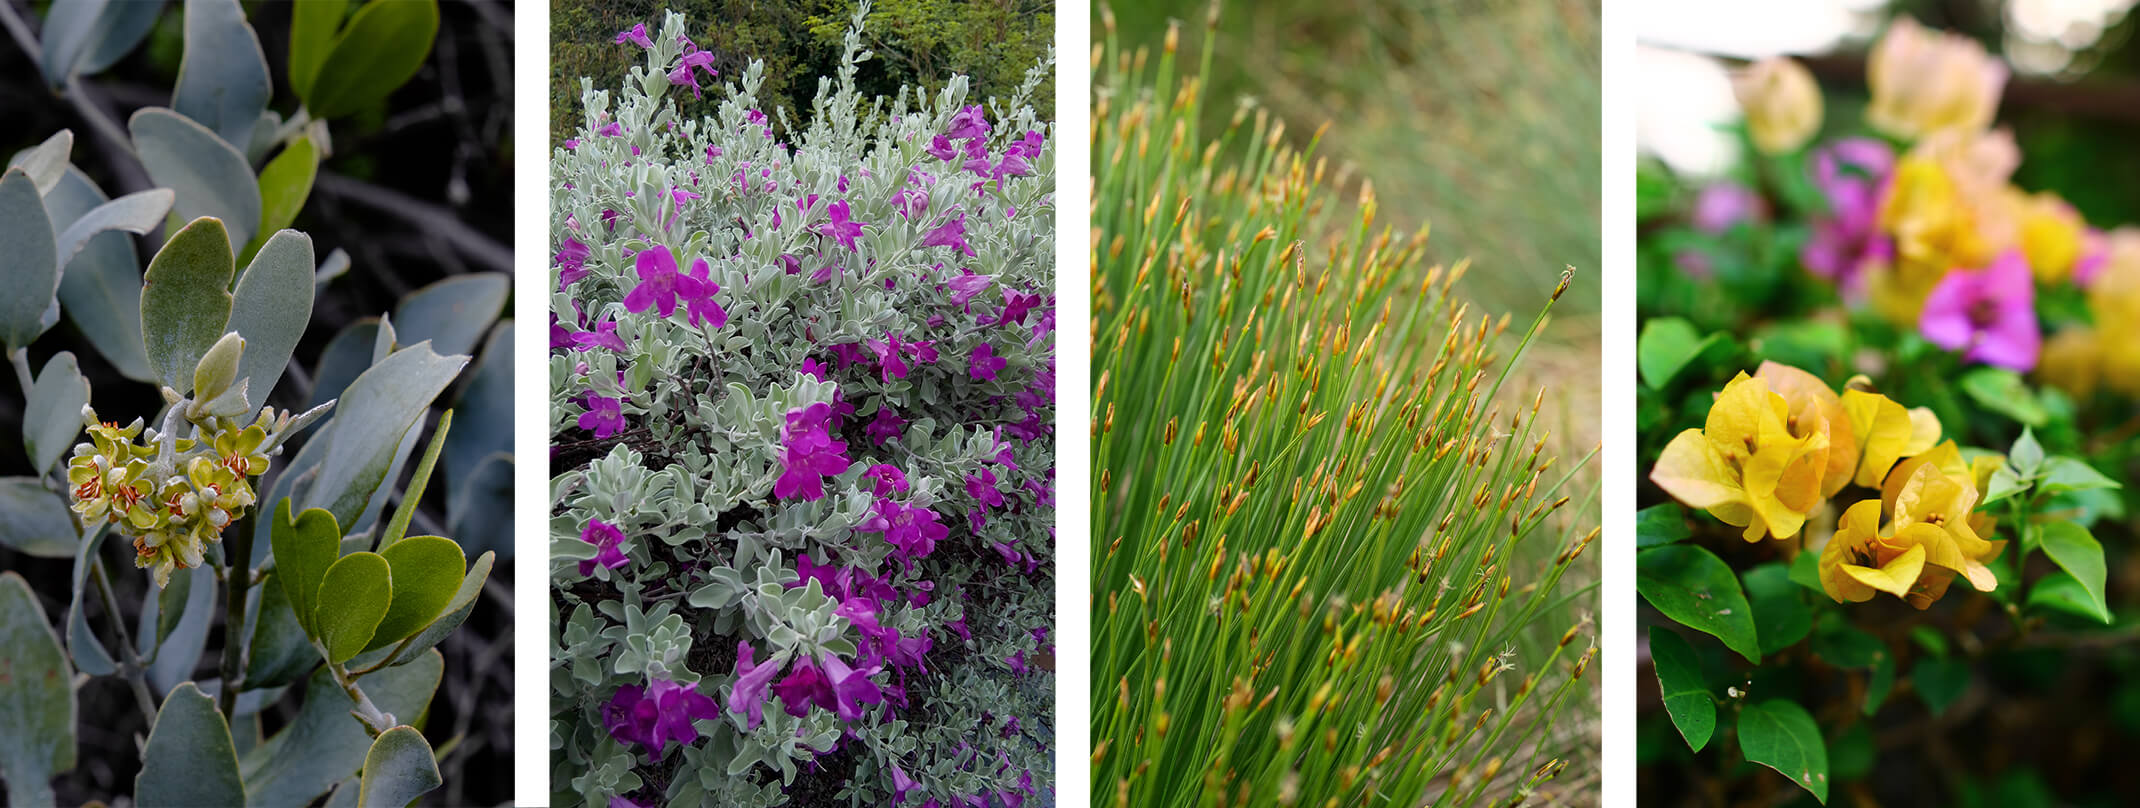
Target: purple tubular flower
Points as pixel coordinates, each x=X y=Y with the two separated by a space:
x=965 y=286
x=901 y=784
x=914 y=531
x=682 y=73
x=637 y=36
x=1724 y=204
x=571 y=262
x=983 y=487
x=660 y=284
x=891 y=361
x=885 y=427
x=653 y=716
x=1015 y=306
x=842 y=229
x=609 y=544
x=1988 y=314
x=952 y=233
x=701 y=307
x=804 y=686
x=809 y=455
x=851 y=687
x=612 y=129
x=604 y=335
x=747 y=695
x=969 y=123
x=888 y=479
x=604 y=416
x=984 y=364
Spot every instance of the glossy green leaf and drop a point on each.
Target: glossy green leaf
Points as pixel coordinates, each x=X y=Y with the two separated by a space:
x=190 y=759
x=1851 y=754
x=52 y=415
x=69 y=32
x=353 y=597
x=1665 y=347
x=1879 y=684
x=1695 y=588
x=452 y=313
x=37 y=705
x=1940 y=681
x=369 y=425
x=324 y=745
x=455 y=612
x=313 y=26
x=1805 y=571
x=47 y=161
x=2061 y=592
x=427 y=571
x=222 y=76
x=135 y=213
x=380 y=49
x=1679 y=679
x=2078 y=553
x=185 y=301
x=32 y=263
x=271 y=307
x=210 y=176
x=1781 y=619
x=34 y=519
x=101 y=288
x=285 y=184
x=280 y=652
x=398 y=769
x=2062 y=474
x=1661 y=524
x=2004 y=392
x=1780 y=734
x=304 y=548
x=2026 y=455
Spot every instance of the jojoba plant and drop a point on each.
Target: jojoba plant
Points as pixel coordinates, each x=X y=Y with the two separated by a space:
x=1320 y=536
x=250 y=488
x=803 y=424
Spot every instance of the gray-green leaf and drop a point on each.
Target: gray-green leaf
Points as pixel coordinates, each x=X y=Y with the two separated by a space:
x=135 y=213
x=52 y=416
x=101 y=288
x=190 y=759
x=185 y=301
x=35 y=519
x=271 y=308
x=222 y=76
x=374 y=414
x=210 y=176
x=398 y=769
x=29 y=260
x=36 y=697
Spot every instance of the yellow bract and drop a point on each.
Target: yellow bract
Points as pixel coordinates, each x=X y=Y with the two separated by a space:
x=1746 y=467
x=1925 y=81
x=1885 y=431
x=1782 y=104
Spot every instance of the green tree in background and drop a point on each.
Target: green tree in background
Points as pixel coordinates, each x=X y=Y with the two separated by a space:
x=921 y=42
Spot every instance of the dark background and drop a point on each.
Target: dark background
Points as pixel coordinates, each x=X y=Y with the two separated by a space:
x=418 y=189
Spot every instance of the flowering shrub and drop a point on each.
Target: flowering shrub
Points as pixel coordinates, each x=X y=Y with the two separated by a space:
x=802 y=409
x=1873 y=374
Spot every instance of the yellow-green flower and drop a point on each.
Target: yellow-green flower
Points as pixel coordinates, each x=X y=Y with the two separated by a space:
x=1745 y=466
x=240 y=450
x=1859 y=561
x=1885 y=432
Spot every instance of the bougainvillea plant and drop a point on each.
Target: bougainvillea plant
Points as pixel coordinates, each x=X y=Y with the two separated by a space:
x=1885 y=414
x=268 y=521
x=802 y=411
x=1329 y=558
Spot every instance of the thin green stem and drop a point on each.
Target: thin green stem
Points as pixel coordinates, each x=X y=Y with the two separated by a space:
x=20 y=358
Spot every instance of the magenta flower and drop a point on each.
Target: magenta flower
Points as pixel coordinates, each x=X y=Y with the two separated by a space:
x=571 y=262
x=809 y=455
x=748 y=694
x=901 y=784
x=888 y=479
x=804 y=686
x=914 y=531
x=943 y=149
x=969 y=123
x=984 y=363
x=1988 y=314
x=952 y=233
x=612 y=129
x=891 y=360
x=965 y=286
x=604 y=335
x=1850 y=173
x=983 y=487
x=1015 y=306
x=885 y=427
x=660 y=284
x=637 y=36
x=1017 y=663
x=813 y=369
x=655 y=715
x=1724 y=204
x=682 y=73
x=604 y=416
x=911 y=203
x=560 y=337
x=701 y=307
x=609 y=544
x=842 y=229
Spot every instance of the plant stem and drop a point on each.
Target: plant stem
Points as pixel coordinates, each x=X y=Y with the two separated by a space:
x=20 y=358
x=130 y=661
x=237 y=576
x=374 y=720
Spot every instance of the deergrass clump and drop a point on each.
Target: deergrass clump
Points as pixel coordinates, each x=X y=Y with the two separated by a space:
x=1314 y=526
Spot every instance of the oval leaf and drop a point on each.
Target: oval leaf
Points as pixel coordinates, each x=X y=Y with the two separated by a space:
x=35 y=519
x=190 y=759
x=89 y=654
x=312 y=29
x=70 y=30
x=450 y=618
x=47 y=161
x=398 y=769
x=427 y=571
x=271 y=308
x=185 y=301
x=323 y=745
x=1679 y=679
x=32 y=263
x=122 y=26
x=52 y=416
x=101 y=288
x=1695 y=588
x=210 y=176
x=285 y=183
x=367 y=432
x=2074 y=550
x=380 y=49
x=353 y=597
x=222 y=76
x=1780 y=735
x=135 y=213
x=452 y=313
x=36 y=697
x=279 y=653
x=304 y=548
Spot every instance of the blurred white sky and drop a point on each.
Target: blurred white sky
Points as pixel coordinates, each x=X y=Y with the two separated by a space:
x=1686 y=94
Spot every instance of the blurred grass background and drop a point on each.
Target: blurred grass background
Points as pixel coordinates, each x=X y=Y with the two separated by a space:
x=923 y=42
x=1480 y=119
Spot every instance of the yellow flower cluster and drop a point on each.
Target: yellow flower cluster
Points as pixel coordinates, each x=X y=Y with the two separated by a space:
x=1780 y=442
x=172 y=508
x=2082 y=360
